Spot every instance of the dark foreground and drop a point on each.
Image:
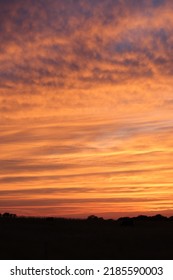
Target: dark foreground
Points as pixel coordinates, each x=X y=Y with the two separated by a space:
x=94 y=238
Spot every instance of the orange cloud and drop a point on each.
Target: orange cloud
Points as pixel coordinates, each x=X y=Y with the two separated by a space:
x=86 y=107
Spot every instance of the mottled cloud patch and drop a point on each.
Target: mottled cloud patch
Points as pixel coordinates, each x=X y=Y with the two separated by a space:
x=51 y=48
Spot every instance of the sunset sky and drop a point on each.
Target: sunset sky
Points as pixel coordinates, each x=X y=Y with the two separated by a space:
x=86 y=107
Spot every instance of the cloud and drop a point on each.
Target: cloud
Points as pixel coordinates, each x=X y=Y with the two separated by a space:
x=42 y=191
x=89 y=43
x=54 y=202
x=85 y=100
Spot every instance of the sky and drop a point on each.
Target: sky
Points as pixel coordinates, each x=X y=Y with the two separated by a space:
x=86 y=107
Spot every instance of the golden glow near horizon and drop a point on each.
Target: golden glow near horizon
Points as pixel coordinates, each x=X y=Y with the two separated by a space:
x=86 y=107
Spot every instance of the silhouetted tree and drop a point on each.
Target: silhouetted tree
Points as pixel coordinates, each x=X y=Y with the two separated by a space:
x=8 y=215
x=158 y=217
x=93 y=218
x=126 y=221
x=142 y=218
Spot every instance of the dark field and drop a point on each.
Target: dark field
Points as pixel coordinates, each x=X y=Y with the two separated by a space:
x=94 y=238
